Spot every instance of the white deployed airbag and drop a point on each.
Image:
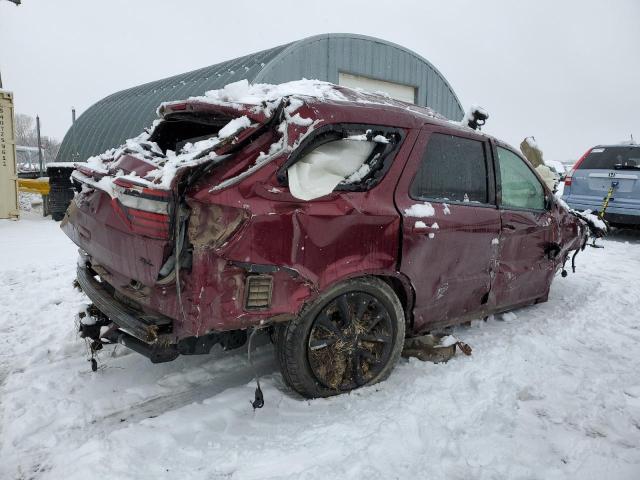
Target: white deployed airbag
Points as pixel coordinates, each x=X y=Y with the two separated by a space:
x=321 y=170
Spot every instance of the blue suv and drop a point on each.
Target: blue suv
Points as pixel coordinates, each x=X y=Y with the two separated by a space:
x=601 y=168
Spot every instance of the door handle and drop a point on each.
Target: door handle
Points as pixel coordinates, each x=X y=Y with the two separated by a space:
x=420 y=227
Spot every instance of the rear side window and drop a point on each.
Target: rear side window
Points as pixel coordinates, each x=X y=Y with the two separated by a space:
x=328 y=165
x=453 y=169
x=345 y=157
x=610 y=158
x=520 y=187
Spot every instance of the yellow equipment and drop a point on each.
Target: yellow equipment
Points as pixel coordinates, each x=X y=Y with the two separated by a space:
x=34 y=185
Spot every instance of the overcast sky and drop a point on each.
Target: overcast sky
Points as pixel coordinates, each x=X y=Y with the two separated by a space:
x=567 y=72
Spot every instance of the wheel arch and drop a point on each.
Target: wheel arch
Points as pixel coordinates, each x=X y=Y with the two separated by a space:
x=399 y=283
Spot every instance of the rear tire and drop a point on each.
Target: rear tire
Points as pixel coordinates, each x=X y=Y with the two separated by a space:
x=350 y=336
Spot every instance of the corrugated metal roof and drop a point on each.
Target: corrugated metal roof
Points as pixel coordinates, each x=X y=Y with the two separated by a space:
x=125 y=114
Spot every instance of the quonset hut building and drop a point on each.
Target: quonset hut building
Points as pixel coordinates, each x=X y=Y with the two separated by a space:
x=345 y=59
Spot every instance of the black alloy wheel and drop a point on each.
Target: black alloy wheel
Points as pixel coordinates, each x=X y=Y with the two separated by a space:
x=350 y=336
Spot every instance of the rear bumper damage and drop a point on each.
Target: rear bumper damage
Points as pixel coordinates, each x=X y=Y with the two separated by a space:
x=142 y=327
x=114 y=322
x=109 y=321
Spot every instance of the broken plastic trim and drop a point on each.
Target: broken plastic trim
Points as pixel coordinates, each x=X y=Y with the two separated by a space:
x=382 y=154
x=276 y=119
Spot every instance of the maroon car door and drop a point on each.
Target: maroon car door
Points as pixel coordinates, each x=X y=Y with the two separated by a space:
x=525 y=269
x=450 y=226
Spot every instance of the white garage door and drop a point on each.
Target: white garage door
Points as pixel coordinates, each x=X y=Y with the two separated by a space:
x=394 y=90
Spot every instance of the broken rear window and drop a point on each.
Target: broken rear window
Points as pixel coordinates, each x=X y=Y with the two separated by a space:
x=181 y=129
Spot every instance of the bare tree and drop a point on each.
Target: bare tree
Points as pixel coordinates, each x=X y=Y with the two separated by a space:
x=26 y=131
x=27 y=136
x=50 y=146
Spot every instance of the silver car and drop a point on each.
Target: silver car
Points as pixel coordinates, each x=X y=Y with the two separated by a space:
x=601 y=169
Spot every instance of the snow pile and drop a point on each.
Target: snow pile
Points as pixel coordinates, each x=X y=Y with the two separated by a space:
x=585 y=215
x=420 y=210
x=364 y=137
x=30 y=202
x=551 y=394
x=234 y=126
x=167 y=163
x=242 y=92
x=420 y=224
x=597 y=221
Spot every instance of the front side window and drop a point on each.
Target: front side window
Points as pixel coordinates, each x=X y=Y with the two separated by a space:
x=520 y=187
x=453 y=169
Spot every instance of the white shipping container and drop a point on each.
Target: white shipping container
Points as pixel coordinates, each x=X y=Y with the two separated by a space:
x=8 y=175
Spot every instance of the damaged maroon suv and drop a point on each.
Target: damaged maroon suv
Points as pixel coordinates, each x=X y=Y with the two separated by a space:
x=342 y=221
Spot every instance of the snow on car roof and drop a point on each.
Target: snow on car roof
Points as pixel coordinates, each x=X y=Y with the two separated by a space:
x=265 y=97
x=256 y=102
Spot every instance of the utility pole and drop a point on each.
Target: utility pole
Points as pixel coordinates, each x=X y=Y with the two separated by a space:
x=73 y=134
x=40 y=159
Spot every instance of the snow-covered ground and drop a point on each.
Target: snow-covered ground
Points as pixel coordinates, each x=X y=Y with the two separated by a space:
x=551 y=391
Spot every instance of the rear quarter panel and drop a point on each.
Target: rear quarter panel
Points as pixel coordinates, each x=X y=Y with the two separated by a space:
x=319 y=242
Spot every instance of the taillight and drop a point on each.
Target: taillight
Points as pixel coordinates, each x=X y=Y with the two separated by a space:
x=144 y=209
x=569 y=177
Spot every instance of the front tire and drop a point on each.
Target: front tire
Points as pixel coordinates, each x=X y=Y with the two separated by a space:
x=350 y=336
